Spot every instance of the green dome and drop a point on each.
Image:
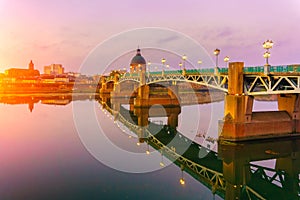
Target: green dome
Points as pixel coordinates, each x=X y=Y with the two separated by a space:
x=138 y=59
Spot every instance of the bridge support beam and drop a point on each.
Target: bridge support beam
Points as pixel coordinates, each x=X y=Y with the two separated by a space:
x=144 y=99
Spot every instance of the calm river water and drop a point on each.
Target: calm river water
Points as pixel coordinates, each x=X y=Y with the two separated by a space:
x=42 y=157
x=44 y=153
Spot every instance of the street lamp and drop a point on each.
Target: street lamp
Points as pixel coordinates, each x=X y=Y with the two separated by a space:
x=266 y=56
x=184 y=57
x=217 y=52
x=180 y=65
x=149 y=63
x=163 y=61
x=226 y=60
x=199 y=63
x=267 y=45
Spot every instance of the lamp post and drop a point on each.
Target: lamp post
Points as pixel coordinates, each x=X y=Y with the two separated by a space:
x=217 y=52
x=199 y=63
x=267 y=56
x=149 y=63
x=180 y=65
x=268 y=44
x=184 y=57
x=226 y=60
x=163 y=61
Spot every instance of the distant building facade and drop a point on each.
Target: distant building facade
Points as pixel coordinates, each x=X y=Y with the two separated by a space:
x=55 y=69
x=22 y=73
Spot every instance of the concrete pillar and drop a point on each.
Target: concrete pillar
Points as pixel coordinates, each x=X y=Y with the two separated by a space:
x=142 y=77
x=237 y=107
x=291 y=104
x=236 y=78
x=235 y=102
x=183 y=72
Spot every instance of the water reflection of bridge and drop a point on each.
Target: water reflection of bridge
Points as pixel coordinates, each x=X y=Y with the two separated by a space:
x=231 y=172
x=240 y=86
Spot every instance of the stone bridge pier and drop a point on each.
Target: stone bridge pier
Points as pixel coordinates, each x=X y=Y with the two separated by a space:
x=241 y=123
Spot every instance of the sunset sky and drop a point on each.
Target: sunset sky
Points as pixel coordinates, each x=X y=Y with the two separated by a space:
x=67 y=31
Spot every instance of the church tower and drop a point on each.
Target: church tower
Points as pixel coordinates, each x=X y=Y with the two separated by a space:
x=31 y=65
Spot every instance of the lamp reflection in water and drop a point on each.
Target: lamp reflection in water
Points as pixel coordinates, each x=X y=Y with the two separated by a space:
x=162 y=164
x=181 y=180
x=147 y=151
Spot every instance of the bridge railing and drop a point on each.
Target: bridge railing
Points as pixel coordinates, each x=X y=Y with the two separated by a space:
x=250 y=70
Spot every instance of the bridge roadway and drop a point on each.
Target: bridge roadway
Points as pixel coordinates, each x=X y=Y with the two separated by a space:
x=262 y=182
x=279 y=79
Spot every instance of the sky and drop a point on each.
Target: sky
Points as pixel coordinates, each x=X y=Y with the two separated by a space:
x=67 y=32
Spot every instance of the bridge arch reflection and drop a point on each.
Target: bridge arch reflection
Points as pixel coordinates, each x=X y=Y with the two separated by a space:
x=232 y=172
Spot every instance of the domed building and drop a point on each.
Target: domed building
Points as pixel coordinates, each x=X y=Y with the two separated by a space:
x=138 y=62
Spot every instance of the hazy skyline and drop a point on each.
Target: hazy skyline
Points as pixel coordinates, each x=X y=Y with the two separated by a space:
x=66 y=31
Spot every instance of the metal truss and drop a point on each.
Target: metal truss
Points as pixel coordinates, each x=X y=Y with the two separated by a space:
x=261 y=85
x=130 y=78
x=214 y=81
x=210 y=177
x=254 y=84
x=277 y=177
x=213 y=178
x=272 y=176
x=252 y=194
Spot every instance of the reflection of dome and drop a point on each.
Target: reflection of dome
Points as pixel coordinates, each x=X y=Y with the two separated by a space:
x=138 y=59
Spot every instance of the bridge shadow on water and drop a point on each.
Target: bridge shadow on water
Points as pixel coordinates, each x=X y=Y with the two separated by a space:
x=236 y=171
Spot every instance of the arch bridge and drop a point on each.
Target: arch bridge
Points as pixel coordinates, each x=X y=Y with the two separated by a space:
x=240 y=85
